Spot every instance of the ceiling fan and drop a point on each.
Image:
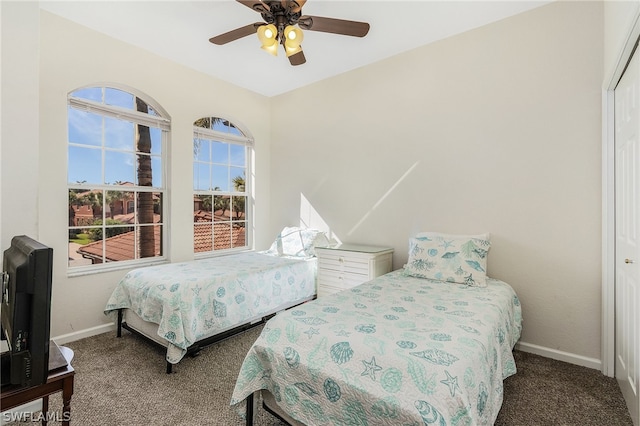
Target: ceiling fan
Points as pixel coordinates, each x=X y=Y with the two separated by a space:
x=279 y=27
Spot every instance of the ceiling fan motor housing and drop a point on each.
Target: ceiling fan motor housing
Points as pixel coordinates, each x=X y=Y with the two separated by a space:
x=279 y=14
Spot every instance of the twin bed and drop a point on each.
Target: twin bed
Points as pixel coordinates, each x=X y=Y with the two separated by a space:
x=396 y=350
x=186 y=306
x=428 y=344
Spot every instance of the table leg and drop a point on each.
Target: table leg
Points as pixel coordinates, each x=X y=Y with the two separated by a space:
x=67 y=391
x=45 y=410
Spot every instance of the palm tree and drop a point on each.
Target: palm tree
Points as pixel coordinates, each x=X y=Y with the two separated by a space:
x=113 y=196
x=238 y=205
x=145 y=178
x=238 y=201
x=238 y=183
x=205 y=123
x=73 y=201
x=220 y=202
x=94 y=200
x=80 y=197
x=205 y=202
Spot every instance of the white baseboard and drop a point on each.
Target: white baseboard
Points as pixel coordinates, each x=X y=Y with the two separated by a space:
x=560 y=355
x=87 y=332
x=522 y=346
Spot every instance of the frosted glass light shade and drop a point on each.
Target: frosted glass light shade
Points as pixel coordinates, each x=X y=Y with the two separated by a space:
x=267 y=34
x=292 y=40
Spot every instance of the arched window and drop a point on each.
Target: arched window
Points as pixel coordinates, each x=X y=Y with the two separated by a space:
x=116 y=184
x=221 y=184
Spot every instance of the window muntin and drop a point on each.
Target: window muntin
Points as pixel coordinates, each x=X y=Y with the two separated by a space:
x=221 y=190
x=115 y=178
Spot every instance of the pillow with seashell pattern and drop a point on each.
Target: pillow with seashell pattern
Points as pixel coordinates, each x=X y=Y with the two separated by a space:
x=458 y=259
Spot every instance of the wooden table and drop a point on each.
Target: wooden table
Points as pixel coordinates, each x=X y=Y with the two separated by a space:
x=60 y=379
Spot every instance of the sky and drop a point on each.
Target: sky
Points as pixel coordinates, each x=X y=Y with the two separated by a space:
x=102 y=148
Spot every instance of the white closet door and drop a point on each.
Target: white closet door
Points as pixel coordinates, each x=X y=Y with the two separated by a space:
x=627 y=183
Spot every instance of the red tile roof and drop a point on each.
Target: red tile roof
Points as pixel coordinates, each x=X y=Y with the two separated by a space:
x=130 y=218
x=218 y=215
x=121 y=247
x=225 y=236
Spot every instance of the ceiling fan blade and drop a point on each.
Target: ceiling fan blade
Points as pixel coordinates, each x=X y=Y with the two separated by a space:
x=297 y=58
x=335 y=26
x=236 y=34
x=256 y=5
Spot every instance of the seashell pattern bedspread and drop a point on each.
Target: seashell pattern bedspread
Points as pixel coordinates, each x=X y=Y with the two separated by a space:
x=193 y=300
x=396 y=350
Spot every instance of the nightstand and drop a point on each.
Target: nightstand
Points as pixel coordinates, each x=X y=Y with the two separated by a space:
x=347 y=265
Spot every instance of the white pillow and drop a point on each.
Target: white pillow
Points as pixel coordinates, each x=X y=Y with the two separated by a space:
x=458 y=259
x=300 y=242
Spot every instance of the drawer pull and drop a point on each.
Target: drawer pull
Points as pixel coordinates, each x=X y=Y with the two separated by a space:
x=341 y=260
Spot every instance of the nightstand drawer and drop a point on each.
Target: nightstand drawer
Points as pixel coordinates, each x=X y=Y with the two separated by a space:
x=340 y=279
x=344 y=264
x=348 y=265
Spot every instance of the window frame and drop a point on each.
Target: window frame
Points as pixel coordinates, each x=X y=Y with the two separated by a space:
x=248 y=143
x=162 y=122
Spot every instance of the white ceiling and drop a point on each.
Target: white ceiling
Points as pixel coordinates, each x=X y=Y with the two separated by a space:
x=180 y=30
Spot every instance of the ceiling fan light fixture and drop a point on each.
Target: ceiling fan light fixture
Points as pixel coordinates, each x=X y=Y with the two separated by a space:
x=289 y=26
x=293 y=37
x=267 y=34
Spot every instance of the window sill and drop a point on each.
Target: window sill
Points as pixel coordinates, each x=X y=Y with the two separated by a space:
x=114 y=266
x=211 y=254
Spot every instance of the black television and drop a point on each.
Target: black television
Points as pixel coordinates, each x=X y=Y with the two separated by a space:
x=27 y=268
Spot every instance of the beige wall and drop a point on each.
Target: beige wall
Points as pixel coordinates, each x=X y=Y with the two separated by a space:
x=70 y=56
x=494 y=130
x=19 y=111
x=619 y=16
